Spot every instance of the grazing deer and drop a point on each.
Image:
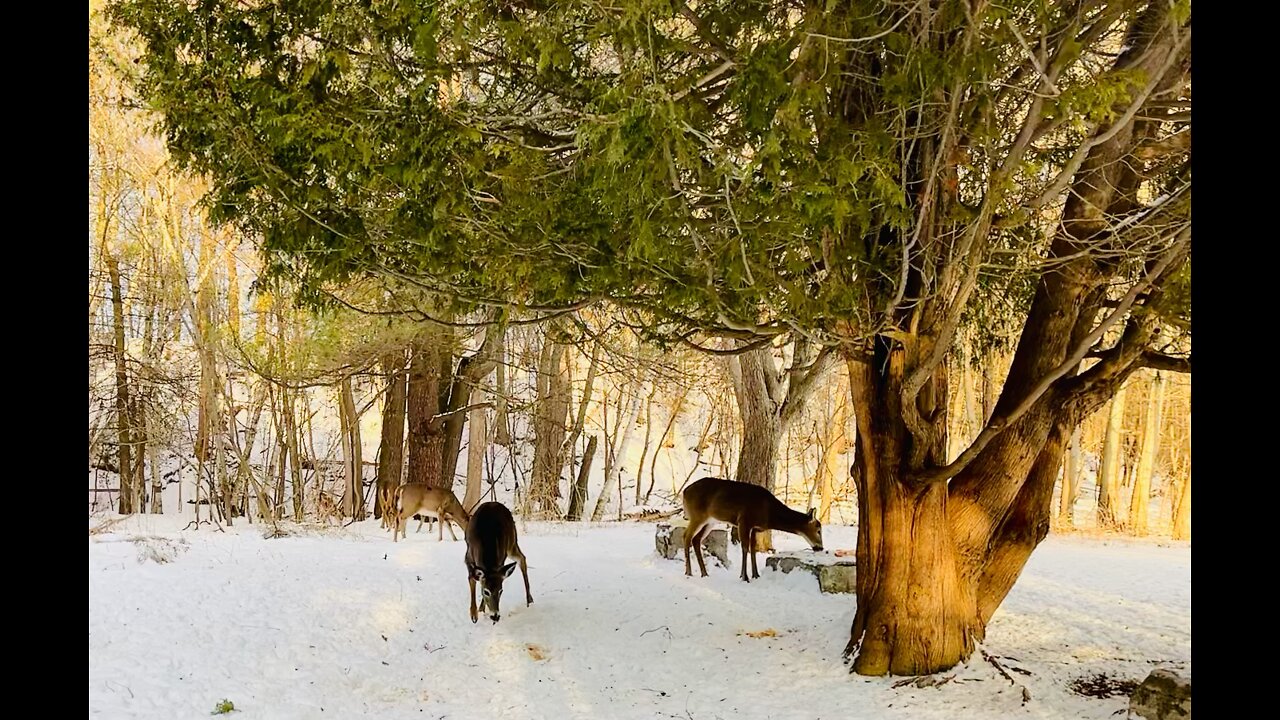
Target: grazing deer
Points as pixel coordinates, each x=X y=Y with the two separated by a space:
x=440 y=503
x=491 y=539
x=750 y=508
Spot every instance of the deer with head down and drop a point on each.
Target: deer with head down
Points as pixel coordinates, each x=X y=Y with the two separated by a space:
x=751 y=508
x=491 y=539
x=440 y=503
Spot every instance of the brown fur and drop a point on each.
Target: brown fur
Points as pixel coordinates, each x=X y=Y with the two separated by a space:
x=749 y=507
x=491 y=539
x=413 y=498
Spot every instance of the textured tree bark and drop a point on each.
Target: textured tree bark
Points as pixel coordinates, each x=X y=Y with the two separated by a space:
x=425 y=437
x=352 y=453
x=391 y=447
x=550 y=420
x=917 y=610
x=1109 y=470
x=578 y=497
x=477 y=439
x=1139 y=506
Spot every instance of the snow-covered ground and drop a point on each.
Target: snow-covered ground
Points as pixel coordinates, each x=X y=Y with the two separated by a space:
x=344 y=623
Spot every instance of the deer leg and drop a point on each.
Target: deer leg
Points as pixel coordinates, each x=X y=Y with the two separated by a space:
x=440 y=519
x=754 y=572
x=744 y=536
x=687 y=539
x=472 y=580
x=395 y=530
x=697 y=547
x=451 y=534
x=524 y=572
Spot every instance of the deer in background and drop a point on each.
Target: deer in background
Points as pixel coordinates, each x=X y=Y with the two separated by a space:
x=440 y=503
x=491 y=539
x=750 y=508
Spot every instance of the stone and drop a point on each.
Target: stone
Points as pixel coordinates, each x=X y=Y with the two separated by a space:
x=1164 y=695
x=834 y=574
x=669 y=542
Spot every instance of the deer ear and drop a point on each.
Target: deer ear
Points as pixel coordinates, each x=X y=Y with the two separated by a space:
x=508 y=569
x=811 y=513
x=477 y=573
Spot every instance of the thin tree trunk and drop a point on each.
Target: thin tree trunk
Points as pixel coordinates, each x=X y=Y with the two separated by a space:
x=124 y=432
x=1071 y=480
x=676 y=407
x=615 y=459
x=831 y=467
x=501 y=422
x=578 y=497
x=580 y=418
x=233 y=289
x=353 y=494
x=1182 y=512
x=648 y=433
x=293 y=442
x=391 y=447
x=157 y=477
x=1139 y=501
x=1109 y=472
x=477 y=439
x=990 y=390
x=550 y=420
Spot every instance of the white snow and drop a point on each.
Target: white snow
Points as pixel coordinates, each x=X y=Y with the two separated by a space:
x=343 y=623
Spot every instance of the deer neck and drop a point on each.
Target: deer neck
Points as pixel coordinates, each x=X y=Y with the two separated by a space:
x=785 y=519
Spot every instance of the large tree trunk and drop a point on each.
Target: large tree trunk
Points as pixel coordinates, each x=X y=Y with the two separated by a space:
x=124 y=430
x=1109 y=469
x=917 y=610
x=578 y=497
x=426 y=435
x=391 y=447
x=1138 y=502
x=940 y=546
x=762 y=426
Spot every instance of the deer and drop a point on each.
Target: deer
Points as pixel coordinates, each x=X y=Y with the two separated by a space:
x=491 y=539
x=441 y=503
x=751 y=508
